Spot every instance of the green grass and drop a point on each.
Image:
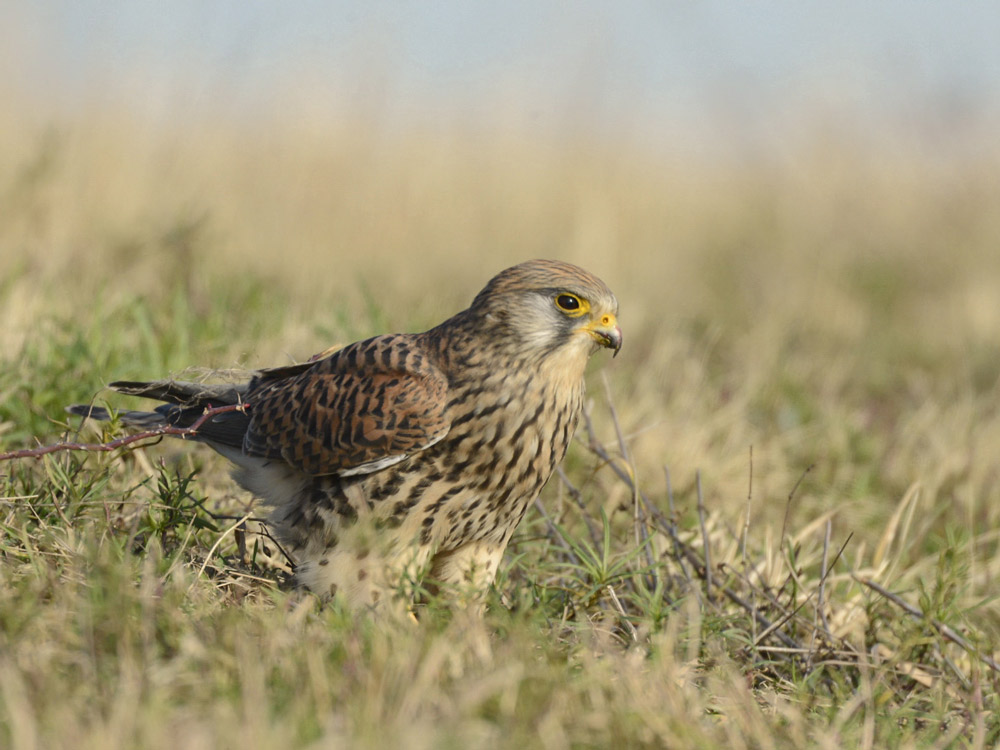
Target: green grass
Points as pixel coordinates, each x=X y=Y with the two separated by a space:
x=798 y=363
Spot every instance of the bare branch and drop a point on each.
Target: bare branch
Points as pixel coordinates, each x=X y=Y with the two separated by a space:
x=788 y=505
x=943 y=629
x=706 y=550
x=624 y=615
x=824 y=569
x=746 y=521
x=111 y=445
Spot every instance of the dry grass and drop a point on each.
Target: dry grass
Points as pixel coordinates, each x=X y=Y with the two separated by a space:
x=833 y=309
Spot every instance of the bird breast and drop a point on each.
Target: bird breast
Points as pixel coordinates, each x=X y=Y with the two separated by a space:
x=508 y=434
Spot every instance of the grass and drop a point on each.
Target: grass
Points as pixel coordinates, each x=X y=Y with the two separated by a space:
x=802 y=426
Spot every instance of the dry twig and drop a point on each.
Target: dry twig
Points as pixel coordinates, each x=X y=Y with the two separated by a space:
x=181 y=432
x=946 y=632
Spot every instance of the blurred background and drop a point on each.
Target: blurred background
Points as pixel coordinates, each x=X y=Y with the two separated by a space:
x=797 y=204
x=710 y=81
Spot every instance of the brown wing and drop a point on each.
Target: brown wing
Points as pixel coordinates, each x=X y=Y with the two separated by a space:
x=364 y=407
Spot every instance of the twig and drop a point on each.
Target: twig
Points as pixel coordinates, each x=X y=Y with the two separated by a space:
x=182 y=432
x=685 y=553
x=769 y=627
x=240 y=535
x=704 y=537
x=755 y=639
x=621 y=610
x=788 y=505
x=943 y=629
x=595 y=446
x=671 y=526
x=265 y=531
x=746 y=523
x=773 y=601
x=554 y=532
x=601 y=452
x=215 y=546
x=627 y=459
x=577 y=496
x=822 y=580
x=638 y=512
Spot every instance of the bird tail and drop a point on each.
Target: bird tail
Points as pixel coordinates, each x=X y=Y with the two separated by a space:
x=186 y=404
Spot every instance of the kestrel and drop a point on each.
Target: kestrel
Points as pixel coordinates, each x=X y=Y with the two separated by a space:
x=409 y=455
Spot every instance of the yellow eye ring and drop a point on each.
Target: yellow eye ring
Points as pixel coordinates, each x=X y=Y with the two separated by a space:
x=571 y=304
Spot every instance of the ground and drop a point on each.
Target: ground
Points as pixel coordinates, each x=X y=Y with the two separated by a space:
x=808 y=385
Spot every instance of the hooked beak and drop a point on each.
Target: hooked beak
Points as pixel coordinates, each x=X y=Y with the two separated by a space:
x=605 y=331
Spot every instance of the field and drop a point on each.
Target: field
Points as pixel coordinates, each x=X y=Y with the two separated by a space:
x=781 y=529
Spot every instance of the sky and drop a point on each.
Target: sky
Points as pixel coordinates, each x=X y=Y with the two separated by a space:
x=642 y=70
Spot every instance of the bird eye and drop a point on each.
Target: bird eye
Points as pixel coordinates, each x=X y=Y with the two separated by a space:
x=568 y=302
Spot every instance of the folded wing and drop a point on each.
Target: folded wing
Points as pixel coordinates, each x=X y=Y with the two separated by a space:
x=364 y=407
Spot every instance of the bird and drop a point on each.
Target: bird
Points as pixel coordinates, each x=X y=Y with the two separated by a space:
x=407 y=459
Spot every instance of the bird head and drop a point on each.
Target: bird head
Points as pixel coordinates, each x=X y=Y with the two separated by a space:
x=546 y=307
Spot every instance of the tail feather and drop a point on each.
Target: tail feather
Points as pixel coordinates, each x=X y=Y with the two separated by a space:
x=89 y=411
x=187 y=404
x=145 y=420
x=183 y=392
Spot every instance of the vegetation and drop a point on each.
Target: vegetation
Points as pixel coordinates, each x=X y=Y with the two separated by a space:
x=778 y=529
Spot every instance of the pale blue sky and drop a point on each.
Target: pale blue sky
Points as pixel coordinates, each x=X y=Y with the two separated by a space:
x=635 y=69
